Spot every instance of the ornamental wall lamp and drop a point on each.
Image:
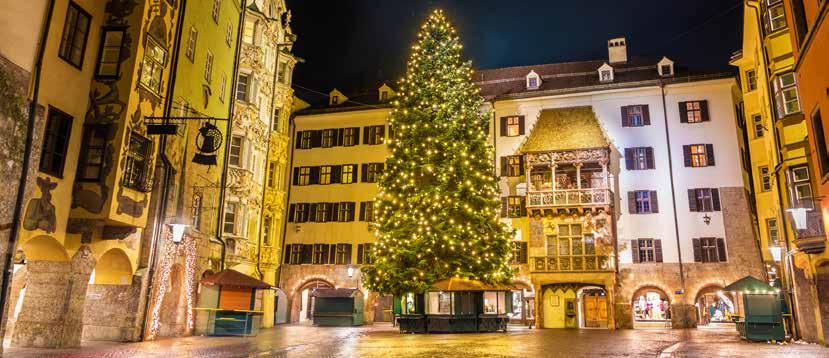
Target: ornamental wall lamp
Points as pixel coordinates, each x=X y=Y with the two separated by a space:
x=177 y=227
x=800 y=217
x=776 y=252
x=706 y=219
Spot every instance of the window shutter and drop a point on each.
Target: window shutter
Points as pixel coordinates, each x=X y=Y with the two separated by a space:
x=703 y=106
x=657 y=250
x=307 y=254
x=304 y=213
x=634 y=250
x=649 y=158
x=312 y=212
x=721 y=250
x=503 y=126
x=336 y=174
x=523 y=255
x=632 y=202
x=521 y=125
x=365 y=135
x=296 y=176
x=291 y=211
x=356 y=135
x=654 y=202
x=391 y=131
x=382 y=130
x=697 y=251
x=315 y=175
x=348 y=254
x=354 y=173
x=351 y=207
x=362 y=214
x=683 y=113
x=629 y=158
x=523 y=206
x=625 y=118
x=646 y=115
x=504 y=205
x=359 y=254
x=692 y=200
x=709 y=151
x=332 y=212
x=298 y=140
x=504 y=166
x=686 y=154
x=286 y=255
x=363 y=173
x=521 y=165
x=715 y=199
x=332 y=254
x=325 y=251
x=316 y=139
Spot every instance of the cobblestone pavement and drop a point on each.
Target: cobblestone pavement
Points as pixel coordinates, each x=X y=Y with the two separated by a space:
x=384 y=341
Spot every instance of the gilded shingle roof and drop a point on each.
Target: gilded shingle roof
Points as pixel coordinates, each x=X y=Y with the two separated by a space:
x=565 y=129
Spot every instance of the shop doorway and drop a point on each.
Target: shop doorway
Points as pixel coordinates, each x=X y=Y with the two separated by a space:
x=714 y=307
x=593 y=302
x=651 y=308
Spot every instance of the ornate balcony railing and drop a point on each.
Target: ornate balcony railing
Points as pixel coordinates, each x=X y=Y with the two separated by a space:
x=569 y=197
x=811 y=239
x=571 y=263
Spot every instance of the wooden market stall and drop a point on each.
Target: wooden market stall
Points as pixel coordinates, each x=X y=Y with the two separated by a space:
x=762 y=307
x=230 y=304
x=338 y=307
x=457 y=305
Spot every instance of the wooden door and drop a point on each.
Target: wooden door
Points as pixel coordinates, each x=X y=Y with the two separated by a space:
x=591 y=311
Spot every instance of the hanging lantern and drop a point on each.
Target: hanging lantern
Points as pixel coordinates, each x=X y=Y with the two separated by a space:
x=208 y=143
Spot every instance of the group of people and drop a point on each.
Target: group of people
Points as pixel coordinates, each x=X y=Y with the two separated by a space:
x=652 y=308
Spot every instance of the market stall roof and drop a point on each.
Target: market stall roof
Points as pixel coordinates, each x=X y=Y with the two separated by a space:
x=232 y=278
x=749 y=284
x=335 y=292
x=465 y=284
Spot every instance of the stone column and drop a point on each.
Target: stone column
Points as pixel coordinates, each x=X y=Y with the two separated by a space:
x=578 y=175
x=81 y=268
x=40 y=323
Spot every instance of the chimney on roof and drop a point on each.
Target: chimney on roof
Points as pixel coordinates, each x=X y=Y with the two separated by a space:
x=617 y=50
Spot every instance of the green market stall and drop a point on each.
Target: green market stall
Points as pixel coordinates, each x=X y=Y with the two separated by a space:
x=230 y=304
x=456 y=305
x=762 y=310
x=338 y=307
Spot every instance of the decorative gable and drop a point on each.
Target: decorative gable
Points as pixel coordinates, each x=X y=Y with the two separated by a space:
x=385 y=93
x=665 y=67
x=335 y=97
x=533 y=80
x=606 y=73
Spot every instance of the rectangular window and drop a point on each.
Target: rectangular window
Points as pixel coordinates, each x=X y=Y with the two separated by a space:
x=776 y=16
x=820 y=143
x=325 y=174
x=516 y=206
x=512 y=166
x=771 y=227
x=519 y=253
x=93 y=148
x=751 y=80
x=345 y=211
x=343 y=254
x=217 y=5
x=152 y=66
x=222 y=87
x=267 y=238
x=229 y=34
x=351 y=136
x=801 y=187
x=275 y=122
x=248 y=31
x=374 y=135
x=320 y=254
x=643 y=201
x=304 y=177
x=55 y=142
x=301 y=213
x=75 y=32
x=765 y=178
x=646 y=250
x=365 y=254
x=242 y=87
x=190 y=51
x=704 y=199
x=348 y=174
x=305 y=139
x=372 y=172
x=320 y=212
x=230 y=218
x=640 y=158
x=109 y=56
x=367 y=211
x=693 y=112
x=513 y=124
x=329 y=138
x=759 y=128
x=208 y=67
x=785 y=88
x=296 y=254
x=709 y=249
x=272 y=175
x=235 y=151
x=699 y=155
x=282 y=76
x=137 y=163
x=635 y=116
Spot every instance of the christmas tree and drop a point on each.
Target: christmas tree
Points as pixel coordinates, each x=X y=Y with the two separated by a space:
x=437 y=208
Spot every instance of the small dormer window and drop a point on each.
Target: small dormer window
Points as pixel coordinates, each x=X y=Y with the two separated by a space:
x=335 y=99
x=666 y=70
x=607 y=75
x=384 y=96
x=533 y=80
x=665 y=67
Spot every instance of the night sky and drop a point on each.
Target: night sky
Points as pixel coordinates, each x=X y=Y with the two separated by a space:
x=353 y=44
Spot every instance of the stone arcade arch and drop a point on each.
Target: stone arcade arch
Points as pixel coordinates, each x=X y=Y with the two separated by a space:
x=713 y=306
x=111 y=289
x=301 y=302
x=651 y=308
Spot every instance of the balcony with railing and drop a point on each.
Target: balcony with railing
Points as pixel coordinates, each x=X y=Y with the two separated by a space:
x=571 y=263
x=576 y=178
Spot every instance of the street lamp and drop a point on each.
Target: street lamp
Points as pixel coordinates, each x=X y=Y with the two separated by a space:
x=706 y=219
x=177 y=227
x=801 y=220
x=776 y=252
x=350 y=272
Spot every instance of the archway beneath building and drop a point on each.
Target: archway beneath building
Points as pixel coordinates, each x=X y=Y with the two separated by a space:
x=714 y=307
x=302 y=304
x=109 y=297
x=651 y=308
x=523 y=303
x=822 y=284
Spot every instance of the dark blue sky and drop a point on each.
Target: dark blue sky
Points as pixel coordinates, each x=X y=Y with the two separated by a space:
x=351 y=44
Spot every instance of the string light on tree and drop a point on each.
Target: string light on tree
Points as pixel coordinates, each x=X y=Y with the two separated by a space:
x=438 y=200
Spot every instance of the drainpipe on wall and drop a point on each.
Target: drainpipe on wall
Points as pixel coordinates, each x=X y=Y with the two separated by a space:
x=24 y=170
x=673 y=187
x=226 y=159
x=287 y=185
